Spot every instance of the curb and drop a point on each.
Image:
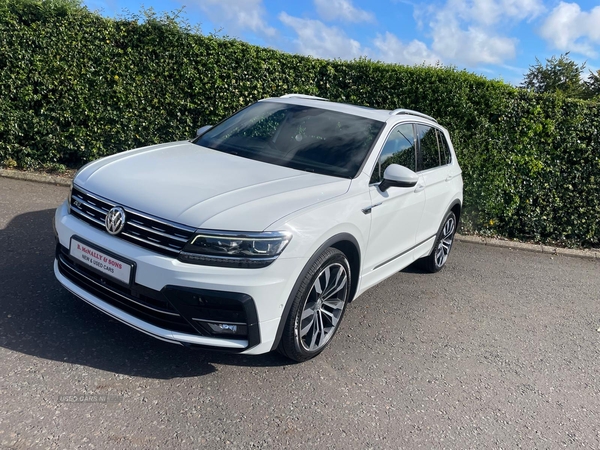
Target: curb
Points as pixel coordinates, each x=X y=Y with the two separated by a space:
x=536 y=248
x=37 y=177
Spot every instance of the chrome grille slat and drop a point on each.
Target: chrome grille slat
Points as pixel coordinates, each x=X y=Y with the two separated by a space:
x=161 y=221
x=161 y=233
x=142 y=229
x=173 y=250
x=87 y=216
x=89 y=205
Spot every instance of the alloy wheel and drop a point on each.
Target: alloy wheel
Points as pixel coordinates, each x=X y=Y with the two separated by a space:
x=445 y=243
x=323 y=307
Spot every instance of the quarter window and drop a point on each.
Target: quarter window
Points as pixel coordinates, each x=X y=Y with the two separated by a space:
x=398 y=149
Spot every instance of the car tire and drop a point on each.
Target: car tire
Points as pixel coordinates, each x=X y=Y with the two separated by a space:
x=318 y=307
x=443 y=244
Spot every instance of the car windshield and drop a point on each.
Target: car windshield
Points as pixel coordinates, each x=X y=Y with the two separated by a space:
x=310 y=139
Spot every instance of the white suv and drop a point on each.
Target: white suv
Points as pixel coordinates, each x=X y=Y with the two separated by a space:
x=256 y=235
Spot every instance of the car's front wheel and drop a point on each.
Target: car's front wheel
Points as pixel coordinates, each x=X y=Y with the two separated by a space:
x=318 y=307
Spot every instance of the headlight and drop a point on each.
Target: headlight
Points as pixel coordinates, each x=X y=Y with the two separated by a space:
x=231 y=249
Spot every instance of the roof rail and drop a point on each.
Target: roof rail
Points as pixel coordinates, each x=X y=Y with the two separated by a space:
x=399 y=111
x=308 y=97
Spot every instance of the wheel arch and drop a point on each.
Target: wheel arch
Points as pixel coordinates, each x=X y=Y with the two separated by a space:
x=344 y=242
x=456 y=208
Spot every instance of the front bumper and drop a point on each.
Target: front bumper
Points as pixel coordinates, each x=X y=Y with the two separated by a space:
x=162 y=300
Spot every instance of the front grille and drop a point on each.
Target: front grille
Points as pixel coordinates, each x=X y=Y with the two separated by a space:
x=160 y=235
x=139 y=301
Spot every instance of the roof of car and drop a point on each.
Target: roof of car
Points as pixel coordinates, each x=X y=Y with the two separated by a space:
x=382 y=115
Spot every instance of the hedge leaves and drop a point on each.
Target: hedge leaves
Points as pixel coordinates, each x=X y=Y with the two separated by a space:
x=75 y=86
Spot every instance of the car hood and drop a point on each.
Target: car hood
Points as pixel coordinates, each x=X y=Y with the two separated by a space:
x=204 y=188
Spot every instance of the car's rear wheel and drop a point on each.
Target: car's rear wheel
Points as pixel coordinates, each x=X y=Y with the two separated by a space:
x=443 y=244
x=318 y=307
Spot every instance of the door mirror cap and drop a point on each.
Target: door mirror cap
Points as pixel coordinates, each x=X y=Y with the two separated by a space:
x=396 y=175
x=203 y=130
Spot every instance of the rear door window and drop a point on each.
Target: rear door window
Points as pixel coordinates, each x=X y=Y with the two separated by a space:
x=445 y=155
x=428 y=155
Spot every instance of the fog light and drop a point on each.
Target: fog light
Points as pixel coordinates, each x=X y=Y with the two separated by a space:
x=223 y=328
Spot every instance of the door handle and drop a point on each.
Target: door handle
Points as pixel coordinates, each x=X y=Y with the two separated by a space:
x=370 y=208
x=449 y=177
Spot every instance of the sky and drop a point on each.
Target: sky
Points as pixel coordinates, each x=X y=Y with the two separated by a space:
x=499 y=39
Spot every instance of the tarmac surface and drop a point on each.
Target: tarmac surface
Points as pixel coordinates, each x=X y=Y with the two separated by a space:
x=499 y=350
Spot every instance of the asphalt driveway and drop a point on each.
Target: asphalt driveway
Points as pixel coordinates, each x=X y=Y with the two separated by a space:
x=499 y=350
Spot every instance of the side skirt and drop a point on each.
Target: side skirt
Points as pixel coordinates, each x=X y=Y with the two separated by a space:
x=395 y=264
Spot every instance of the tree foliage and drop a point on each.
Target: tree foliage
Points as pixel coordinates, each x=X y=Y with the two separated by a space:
x=76 y=86
x=561 y=75
x=593 y=84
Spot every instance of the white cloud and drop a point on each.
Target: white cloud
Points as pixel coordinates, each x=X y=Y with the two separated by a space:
x=468 y=31
x=236 y=16
x=393 y=50
x=491 y=12
x=571 y=29
x=523 y=9
x=472 y=46
x=342 y=10
x=317 y=39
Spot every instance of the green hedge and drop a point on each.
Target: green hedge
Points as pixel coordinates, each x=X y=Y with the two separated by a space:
x=76 y=86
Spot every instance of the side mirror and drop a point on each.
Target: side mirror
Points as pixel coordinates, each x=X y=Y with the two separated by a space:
x=203 y=130
x=396 y=175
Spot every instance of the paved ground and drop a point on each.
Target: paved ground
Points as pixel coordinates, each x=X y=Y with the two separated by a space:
x=500 y=350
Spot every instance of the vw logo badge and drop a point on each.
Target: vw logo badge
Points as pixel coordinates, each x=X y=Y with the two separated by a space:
x=115 y=220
